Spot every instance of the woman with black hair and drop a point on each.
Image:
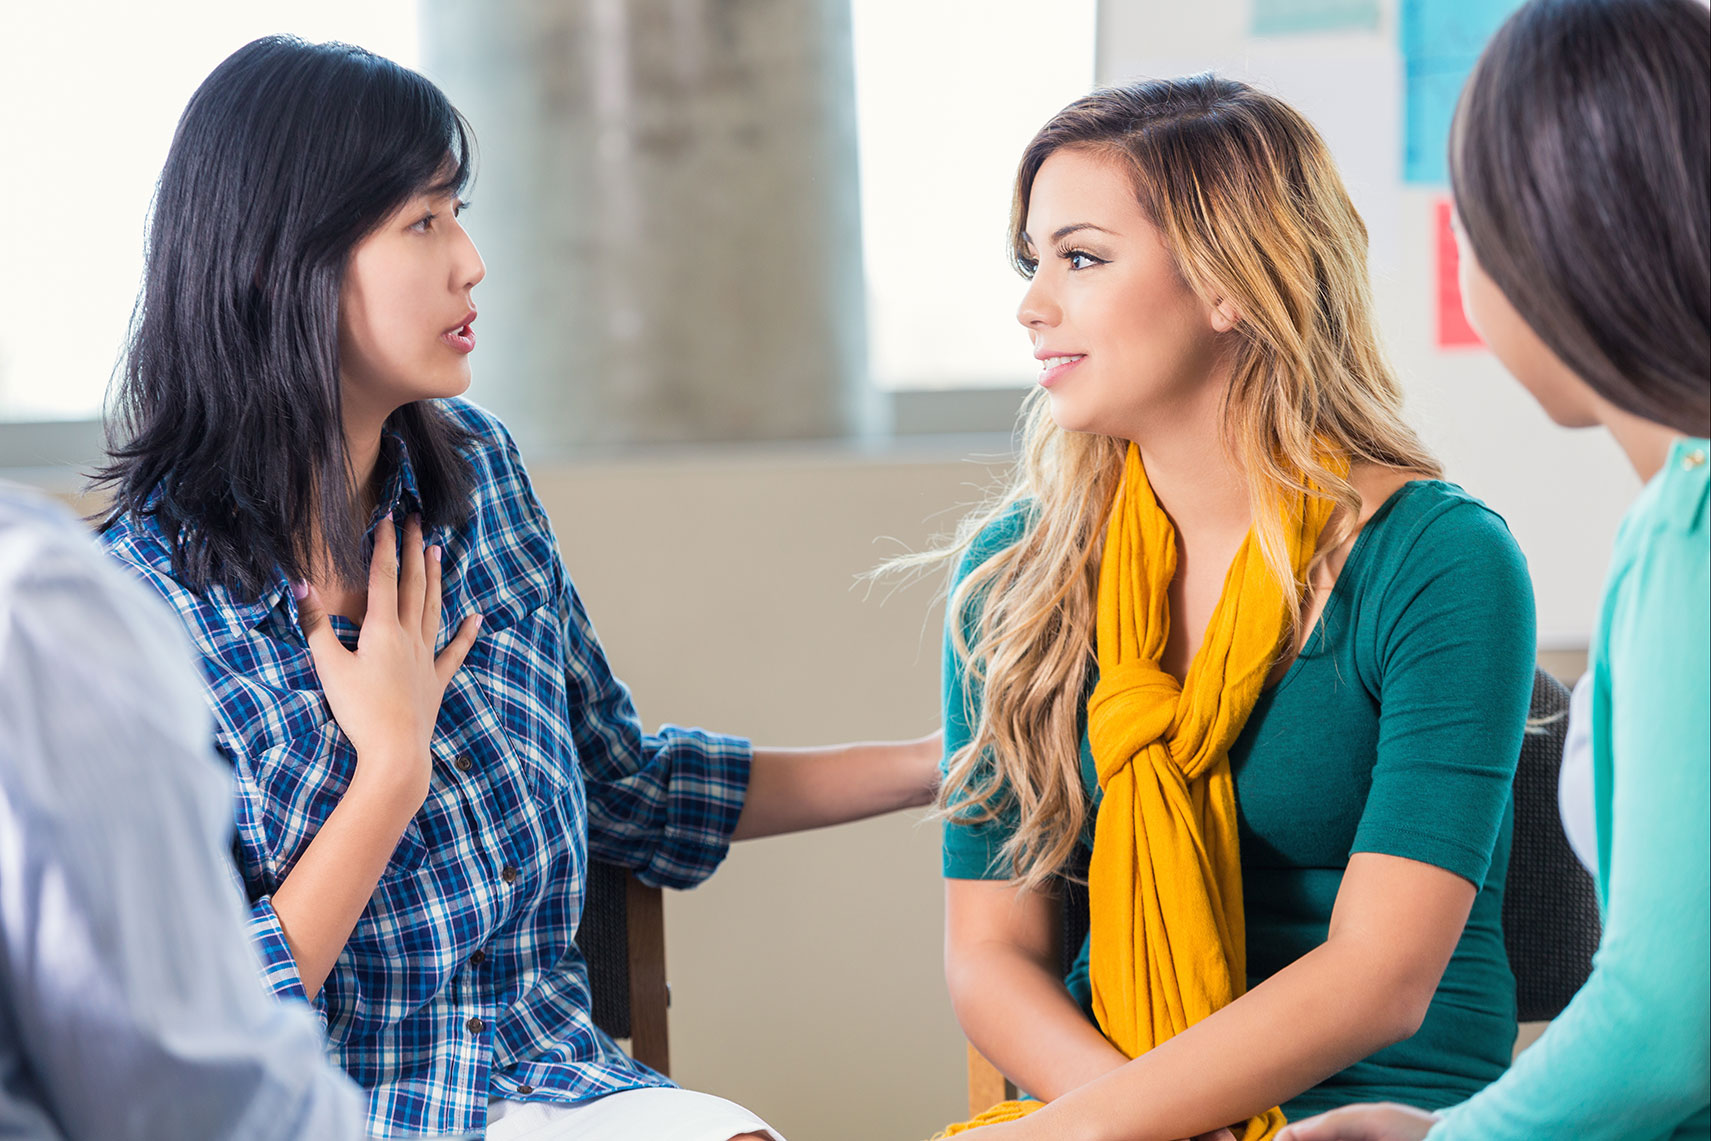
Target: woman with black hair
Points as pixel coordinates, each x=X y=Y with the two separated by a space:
x=1581 y=163
x=294 y=473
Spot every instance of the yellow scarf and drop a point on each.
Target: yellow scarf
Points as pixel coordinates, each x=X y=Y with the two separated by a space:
x=1165 y=883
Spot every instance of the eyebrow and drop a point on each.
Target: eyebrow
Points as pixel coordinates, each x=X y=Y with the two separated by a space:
x=1063 y=232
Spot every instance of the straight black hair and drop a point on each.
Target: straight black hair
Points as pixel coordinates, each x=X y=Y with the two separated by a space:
x=1581 y=165
x=226 y=422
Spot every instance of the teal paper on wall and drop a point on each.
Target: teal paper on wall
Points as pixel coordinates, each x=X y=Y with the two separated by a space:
x=1441 y=41
x=1290 y=17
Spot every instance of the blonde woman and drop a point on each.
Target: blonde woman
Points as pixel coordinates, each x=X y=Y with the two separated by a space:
x=1230 y=628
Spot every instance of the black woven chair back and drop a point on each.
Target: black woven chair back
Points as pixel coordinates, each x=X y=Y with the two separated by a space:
x=604 y=939
x=1550 y=905
x=1073 y=892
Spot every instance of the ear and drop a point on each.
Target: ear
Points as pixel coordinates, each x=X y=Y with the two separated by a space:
x=1225 y=316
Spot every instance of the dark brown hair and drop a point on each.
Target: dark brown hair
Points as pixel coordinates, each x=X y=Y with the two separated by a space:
x=1581 y=164
x=226 y=423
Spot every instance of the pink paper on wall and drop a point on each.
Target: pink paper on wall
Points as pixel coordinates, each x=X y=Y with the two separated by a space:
x=1453 y=330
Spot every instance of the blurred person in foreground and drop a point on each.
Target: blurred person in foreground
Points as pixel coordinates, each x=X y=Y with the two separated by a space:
x=130 y=1006
x=1581 y=165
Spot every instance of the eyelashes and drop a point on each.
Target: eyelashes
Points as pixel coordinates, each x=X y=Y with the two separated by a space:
x=426 y=221
x=1078 y=259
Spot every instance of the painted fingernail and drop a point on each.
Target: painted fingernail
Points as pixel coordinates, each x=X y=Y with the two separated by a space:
x=299 y=591
x=434 y=553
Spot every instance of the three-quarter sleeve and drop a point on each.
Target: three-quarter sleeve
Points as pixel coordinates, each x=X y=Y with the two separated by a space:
x=1452 y=656
x=1630 y=1057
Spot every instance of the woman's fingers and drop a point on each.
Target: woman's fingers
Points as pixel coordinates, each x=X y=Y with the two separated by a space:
x=431 y=601
x=1383 y=1121
x=1314 y=1128
x=451 y=658
x=412 y=582
x=383 y=571
x=312 y=616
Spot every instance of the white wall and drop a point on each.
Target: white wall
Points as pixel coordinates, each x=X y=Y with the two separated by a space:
x=1561 y=492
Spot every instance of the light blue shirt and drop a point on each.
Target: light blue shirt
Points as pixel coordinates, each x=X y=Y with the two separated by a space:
x=1630 y=1058
x=130 y=1002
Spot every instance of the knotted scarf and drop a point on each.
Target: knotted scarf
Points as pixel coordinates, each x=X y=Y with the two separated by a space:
x=1169 y=944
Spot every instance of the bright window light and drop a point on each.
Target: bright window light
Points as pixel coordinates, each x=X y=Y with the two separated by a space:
x=948 y=92
x=100 y=87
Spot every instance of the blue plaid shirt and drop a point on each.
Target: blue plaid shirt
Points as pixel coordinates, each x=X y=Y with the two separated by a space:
x=461 y=982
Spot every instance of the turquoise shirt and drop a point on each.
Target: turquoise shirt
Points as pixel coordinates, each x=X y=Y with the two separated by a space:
x=1395 y=731
x=1630 y=1057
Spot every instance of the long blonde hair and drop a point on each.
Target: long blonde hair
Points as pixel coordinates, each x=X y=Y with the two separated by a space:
x=1249 y=202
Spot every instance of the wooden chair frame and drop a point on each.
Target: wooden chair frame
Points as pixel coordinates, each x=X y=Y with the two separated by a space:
x=650 y=994
x=622 y=939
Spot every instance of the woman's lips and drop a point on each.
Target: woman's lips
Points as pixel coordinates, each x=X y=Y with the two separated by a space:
x=461 y=339
x=1053 y=368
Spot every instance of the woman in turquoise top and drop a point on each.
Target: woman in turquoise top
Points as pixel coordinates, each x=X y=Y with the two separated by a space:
x=1410 y=693
x=1580 y=169
x=1198 y=291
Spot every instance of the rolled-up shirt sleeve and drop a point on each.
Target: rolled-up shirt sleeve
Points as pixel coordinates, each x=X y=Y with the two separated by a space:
x=662 y=803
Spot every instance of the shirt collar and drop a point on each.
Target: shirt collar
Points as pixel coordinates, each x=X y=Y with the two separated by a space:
x=400 y=496
x=399 y=493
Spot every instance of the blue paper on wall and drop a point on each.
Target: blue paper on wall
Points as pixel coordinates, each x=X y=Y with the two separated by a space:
x=1289 y=17
x=1441 y=41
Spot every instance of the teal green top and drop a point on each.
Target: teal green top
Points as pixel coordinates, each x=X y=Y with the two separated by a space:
x=1631 y=1055
x=1397 y=731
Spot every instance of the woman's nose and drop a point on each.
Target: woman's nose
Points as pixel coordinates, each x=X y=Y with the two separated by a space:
x=470 y=268
x=1037 y=310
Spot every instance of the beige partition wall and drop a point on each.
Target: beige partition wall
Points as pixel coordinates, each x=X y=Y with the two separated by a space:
x=806 y=975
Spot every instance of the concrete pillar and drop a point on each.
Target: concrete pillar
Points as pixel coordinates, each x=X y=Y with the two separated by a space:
x=667 y=201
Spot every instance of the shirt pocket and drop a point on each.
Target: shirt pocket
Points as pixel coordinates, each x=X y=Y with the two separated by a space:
x=512 y=706
x=294 y=769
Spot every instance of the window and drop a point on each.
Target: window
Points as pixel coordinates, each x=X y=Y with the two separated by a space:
x=101 y=89
x=948 y=92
